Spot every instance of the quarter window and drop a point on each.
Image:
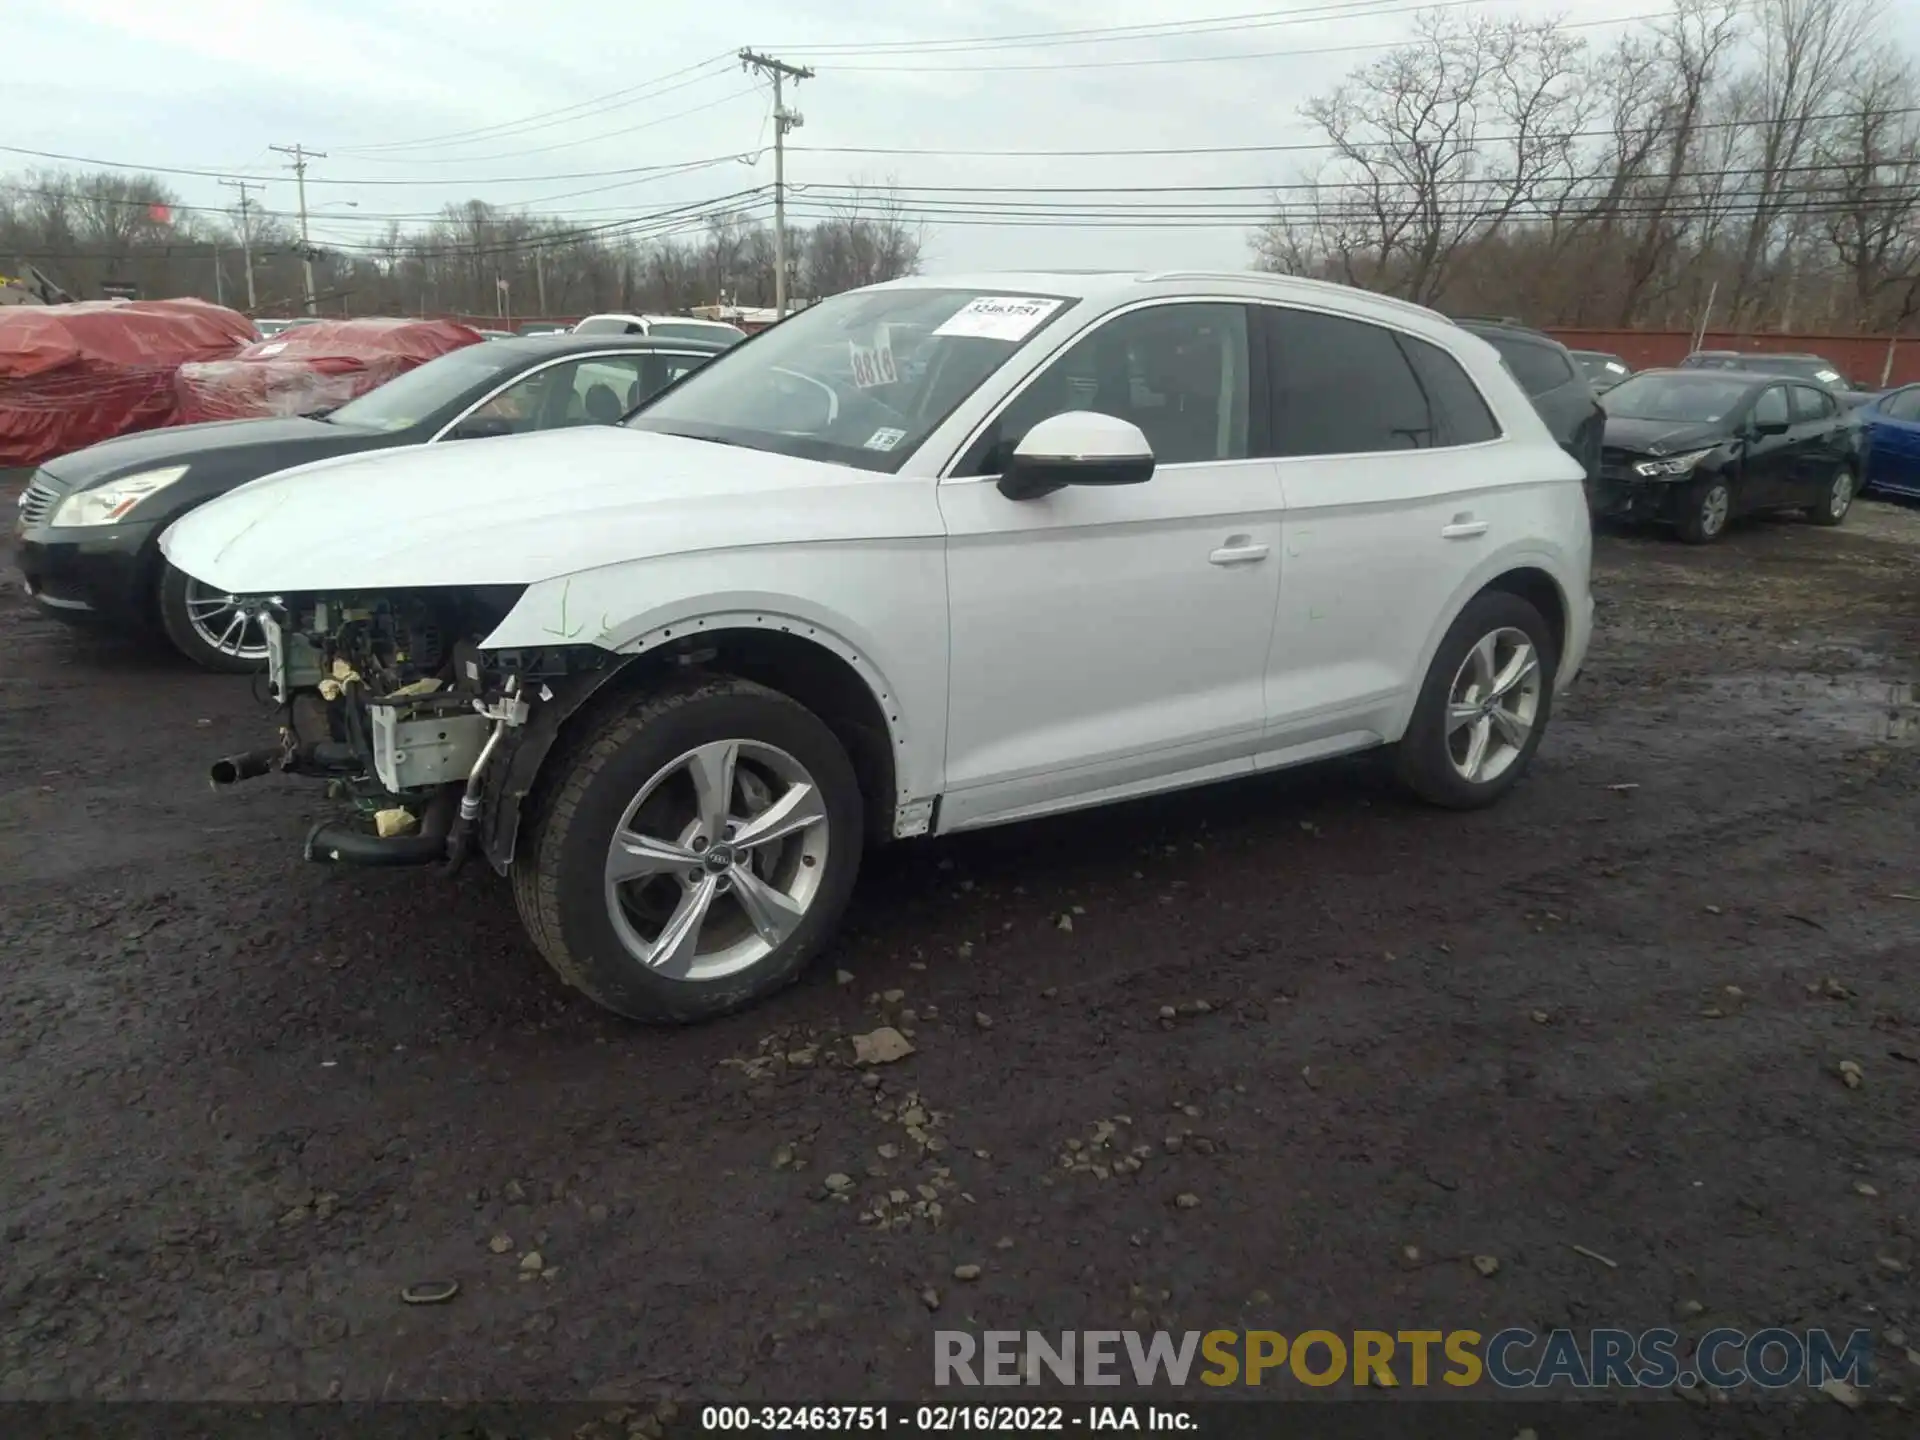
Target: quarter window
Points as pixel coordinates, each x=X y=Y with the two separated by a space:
x=1179 y=372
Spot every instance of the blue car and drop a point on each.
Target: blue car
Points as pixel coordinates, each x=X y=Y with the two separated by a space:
x=1892 y=424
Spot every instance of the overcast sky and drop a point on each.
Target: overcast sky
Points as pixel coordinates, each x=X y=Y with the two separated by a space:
x=211 y=84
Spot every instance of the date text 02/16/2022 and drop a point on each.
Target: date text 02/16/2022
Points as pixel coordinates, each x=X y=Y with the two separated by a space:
x=942 y=1419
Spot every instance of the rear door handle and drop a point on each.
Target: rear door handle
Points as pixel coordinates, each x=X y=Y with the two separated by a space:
x=1463 y=529
x=1238 y=551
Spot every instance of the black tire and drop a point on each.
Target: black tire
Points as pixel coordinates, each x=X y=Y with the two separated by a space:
x=1701 y=520
x=559 y=867
x=179 y=628
x=1836 y=500
x=1424 y=760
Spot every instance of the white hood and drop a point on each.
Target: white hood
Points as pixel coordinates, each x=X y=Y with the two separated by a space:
x=520 y=509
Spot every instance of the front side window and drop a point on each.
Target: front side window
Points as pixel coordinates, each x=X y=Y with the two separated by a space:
x=1177 y=371
x=1903 y=405
x=1771 y=407
x=1347 y=387
x=572 y=392
x=411 y=398
x=861 y=379
x=604 y=389
x=1810 y=404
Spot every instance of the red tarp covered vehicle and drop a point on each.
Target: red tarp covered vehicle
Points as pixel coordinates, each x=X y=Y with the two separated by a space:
x=74 y=375
x=314 y=367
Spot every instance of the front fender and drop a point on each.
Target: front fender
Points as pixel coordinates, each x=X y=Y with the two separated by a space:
x=898 y=645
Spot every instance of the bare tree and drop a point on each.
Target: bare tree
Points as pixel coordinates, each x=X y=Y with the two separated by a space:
x=1443 y=139
x=1806 y=48
x=1872 y=193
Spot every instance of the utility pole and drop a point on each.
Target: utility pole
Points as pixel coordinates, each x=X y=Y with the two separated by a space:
x=246 y=232
x=299 y=167
x=783 y=121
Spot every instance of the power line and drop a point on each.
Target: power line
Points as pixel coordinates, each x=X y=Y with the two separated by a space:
x=751 y=158
x=564 y=115
x=1308 y=146
x=1239 y=55
x=1151 y=30
x=728 y=98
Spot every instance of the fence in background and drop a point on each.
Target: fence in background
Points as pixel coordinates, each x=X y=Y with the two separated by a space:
x=1864 y=359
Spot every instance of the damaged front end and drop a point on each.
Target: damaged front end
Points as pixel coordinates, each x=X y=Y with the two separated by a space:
x=389 y=699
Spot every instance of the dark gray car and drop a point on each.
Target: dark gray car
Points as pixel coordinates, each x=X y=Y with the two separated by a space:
x=90 y=522
x=1553 y=380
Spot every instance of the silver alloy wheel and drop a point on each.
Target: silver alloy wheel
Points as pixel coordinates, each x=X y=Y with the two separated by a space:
x=224 y=625
x=716 y=860
x=1841 y=495
x=1714 y=506
x=1492 y=705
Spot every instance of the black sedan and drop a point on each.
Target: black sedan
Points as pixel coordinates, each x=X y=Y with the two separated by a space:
x=90 y=522
x=1694 y=448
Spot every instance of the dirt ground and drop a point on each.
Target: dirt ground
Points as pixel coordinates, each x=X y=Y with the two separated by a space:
x=245 y=1101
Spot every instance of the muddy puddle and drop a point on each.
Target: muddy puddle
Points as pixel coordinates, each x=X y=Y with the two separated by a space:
x=1872 y=710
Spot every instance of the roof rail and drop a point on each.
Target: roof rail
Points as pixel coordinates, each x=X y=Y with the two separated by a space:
x=1271 y=277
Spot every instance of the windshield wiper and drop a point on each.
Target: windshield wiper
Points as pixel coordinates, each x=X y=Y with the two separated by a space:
x=321 y=414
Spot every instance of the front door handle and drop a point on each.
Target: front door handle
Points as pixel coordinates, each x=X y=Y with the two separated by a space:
x=1463 y=527
x=1238 y=550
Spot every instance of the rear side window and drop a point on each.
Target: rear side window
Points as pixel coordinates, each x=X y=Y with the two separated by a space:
x=1538 y=368
x=1343 y=387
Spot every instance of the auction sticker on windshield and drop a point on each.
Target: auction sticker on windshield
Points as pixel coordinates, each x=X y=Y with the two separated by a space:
x=873 y=366
x=885 y=438
x=998 y=317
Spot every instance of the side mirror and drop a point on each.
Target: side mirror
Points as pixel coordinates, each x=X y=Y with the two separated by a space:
x=481 y=427
x=1080 y=447
x=1770 y=427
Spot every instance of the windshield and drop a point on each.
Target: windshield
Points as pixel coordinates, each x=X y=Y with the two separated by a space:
x=859 y=380
x=406 y=400
x=1703 y=398
x=1600 y=367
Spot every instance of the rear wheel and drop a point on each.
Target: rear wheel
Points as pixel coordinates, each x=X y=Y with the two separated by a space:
x=693 y=853
x=1705 y=507
x=209 y=626
x=1484 y=705
x=1835 y=501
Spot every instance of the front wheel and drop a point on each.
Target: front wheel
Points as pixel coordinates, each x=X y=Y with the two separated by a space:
x=690 y=855
x=1705 y=507
x=1835 y=501
x=1484 y=705
x=208 y=626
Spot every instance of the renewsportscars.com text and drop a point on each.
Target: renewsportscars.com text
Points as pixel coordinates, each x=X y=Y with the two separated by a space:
x=1512 y=1359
